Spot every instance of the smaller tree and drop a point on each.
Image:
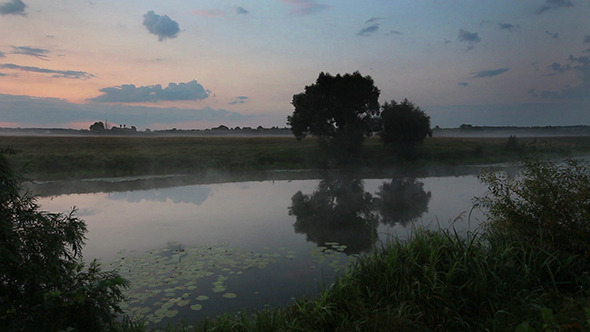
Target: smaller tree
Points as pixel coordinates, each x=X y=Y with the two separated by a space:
x=403 y=126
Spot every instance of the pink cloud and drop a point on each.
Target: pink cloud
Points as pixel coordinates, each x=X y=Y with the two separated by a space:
x=305 y=7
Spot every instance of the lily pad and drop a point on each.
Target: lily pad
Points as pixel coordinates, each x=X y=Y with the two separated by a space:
x=229 y=295
x=196 y=307
x=171 y=313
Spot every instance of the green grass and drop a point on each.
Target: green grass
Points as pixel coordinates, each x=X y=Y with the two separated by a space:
x=82 y=157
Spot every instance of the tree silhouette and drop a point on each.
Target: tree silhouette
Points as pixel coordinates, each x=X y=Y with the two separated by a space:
x=337 y=109
x=97 y=126
x=403 y=126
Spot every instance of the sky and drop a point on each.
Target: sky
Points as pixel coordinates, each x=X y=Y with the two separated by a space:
x=190 y=64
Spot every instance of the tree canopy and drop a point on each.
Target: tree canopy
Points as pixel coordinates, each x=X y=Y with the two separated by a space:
x=97 y=126
x=403 y=126
x=338 y=108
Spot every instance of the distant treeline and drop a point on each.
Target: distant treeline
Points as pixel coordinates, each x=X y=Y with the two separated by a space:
x=465 y=130
x=221 y=130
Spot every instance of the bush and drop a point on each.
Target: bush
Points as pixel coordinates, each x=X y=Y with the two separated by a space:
x=44 y=284
x=546 y=204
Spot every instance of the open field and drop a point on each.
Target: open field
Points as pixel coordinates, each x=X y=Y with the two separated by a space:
x=82 y=157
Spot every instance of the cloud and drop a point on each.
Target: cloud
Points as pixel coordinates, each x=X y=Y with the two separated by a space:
x=32 y=51
x=554 y=35
x=14 y=7
x=463 y=83
x=489 y=73
x=53 y=112
x=369 y=30
x=56 y=73
x=554 y=4
x=394 y=32
x=471 y=38
x=579 y=92
x=161 y=26
x=557 y=67
x=305 y=7
x=508 y=26
x=241 y=11
x=372 y=20
x=129 y=93
x=2 y=55
x=209 y=12
x=587 y=39
x=239 y=100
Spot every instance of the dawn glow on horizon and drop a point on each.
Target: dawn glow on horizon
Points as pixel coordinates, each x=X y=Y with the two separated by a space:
x=199 y=64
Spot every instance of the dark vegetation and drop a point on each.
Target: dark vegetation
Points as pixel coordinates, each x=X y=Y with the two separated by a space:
x=403 y=126
x=44 y=283
x=342 y=110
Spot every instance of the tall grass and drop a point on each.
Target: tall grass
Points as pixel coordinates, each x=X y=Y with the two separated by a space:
x=440 y=281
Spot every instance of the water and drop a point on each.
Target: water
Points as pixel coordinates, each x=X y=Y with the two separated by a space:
x=197 y=250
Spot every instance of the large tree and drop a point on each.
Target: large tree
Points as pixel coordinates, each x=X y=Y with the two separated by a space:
x=337 y=109
x=403 y=126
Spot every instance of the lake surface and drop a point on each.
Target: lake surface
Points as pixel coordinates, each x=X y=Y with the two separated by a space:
x=199 y=250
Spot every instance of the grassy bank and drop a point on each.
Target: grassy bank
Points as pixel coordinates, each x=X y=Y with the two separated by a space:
x=81 y=157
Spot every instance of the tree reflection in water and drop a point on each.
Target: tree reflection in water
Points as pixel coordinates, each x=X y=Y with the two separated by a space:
x=401 y=201
x=340 y=210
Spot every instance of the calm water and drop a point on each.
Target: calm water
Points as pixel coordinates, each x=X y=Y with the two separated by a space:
x=199 y=250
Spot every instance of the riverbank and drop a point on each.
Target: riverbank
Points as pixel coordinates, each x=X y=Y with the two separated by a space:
x=63 y=157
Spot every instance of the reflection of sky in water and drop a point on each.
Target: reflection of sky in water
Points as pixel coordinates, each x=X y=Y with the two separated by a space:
x=248 y=215
x=187 y=194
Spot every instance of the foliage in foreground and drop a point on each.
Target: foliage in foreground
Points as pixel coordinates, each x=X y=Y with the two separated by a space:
x=547 y=203
x=44 y=284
